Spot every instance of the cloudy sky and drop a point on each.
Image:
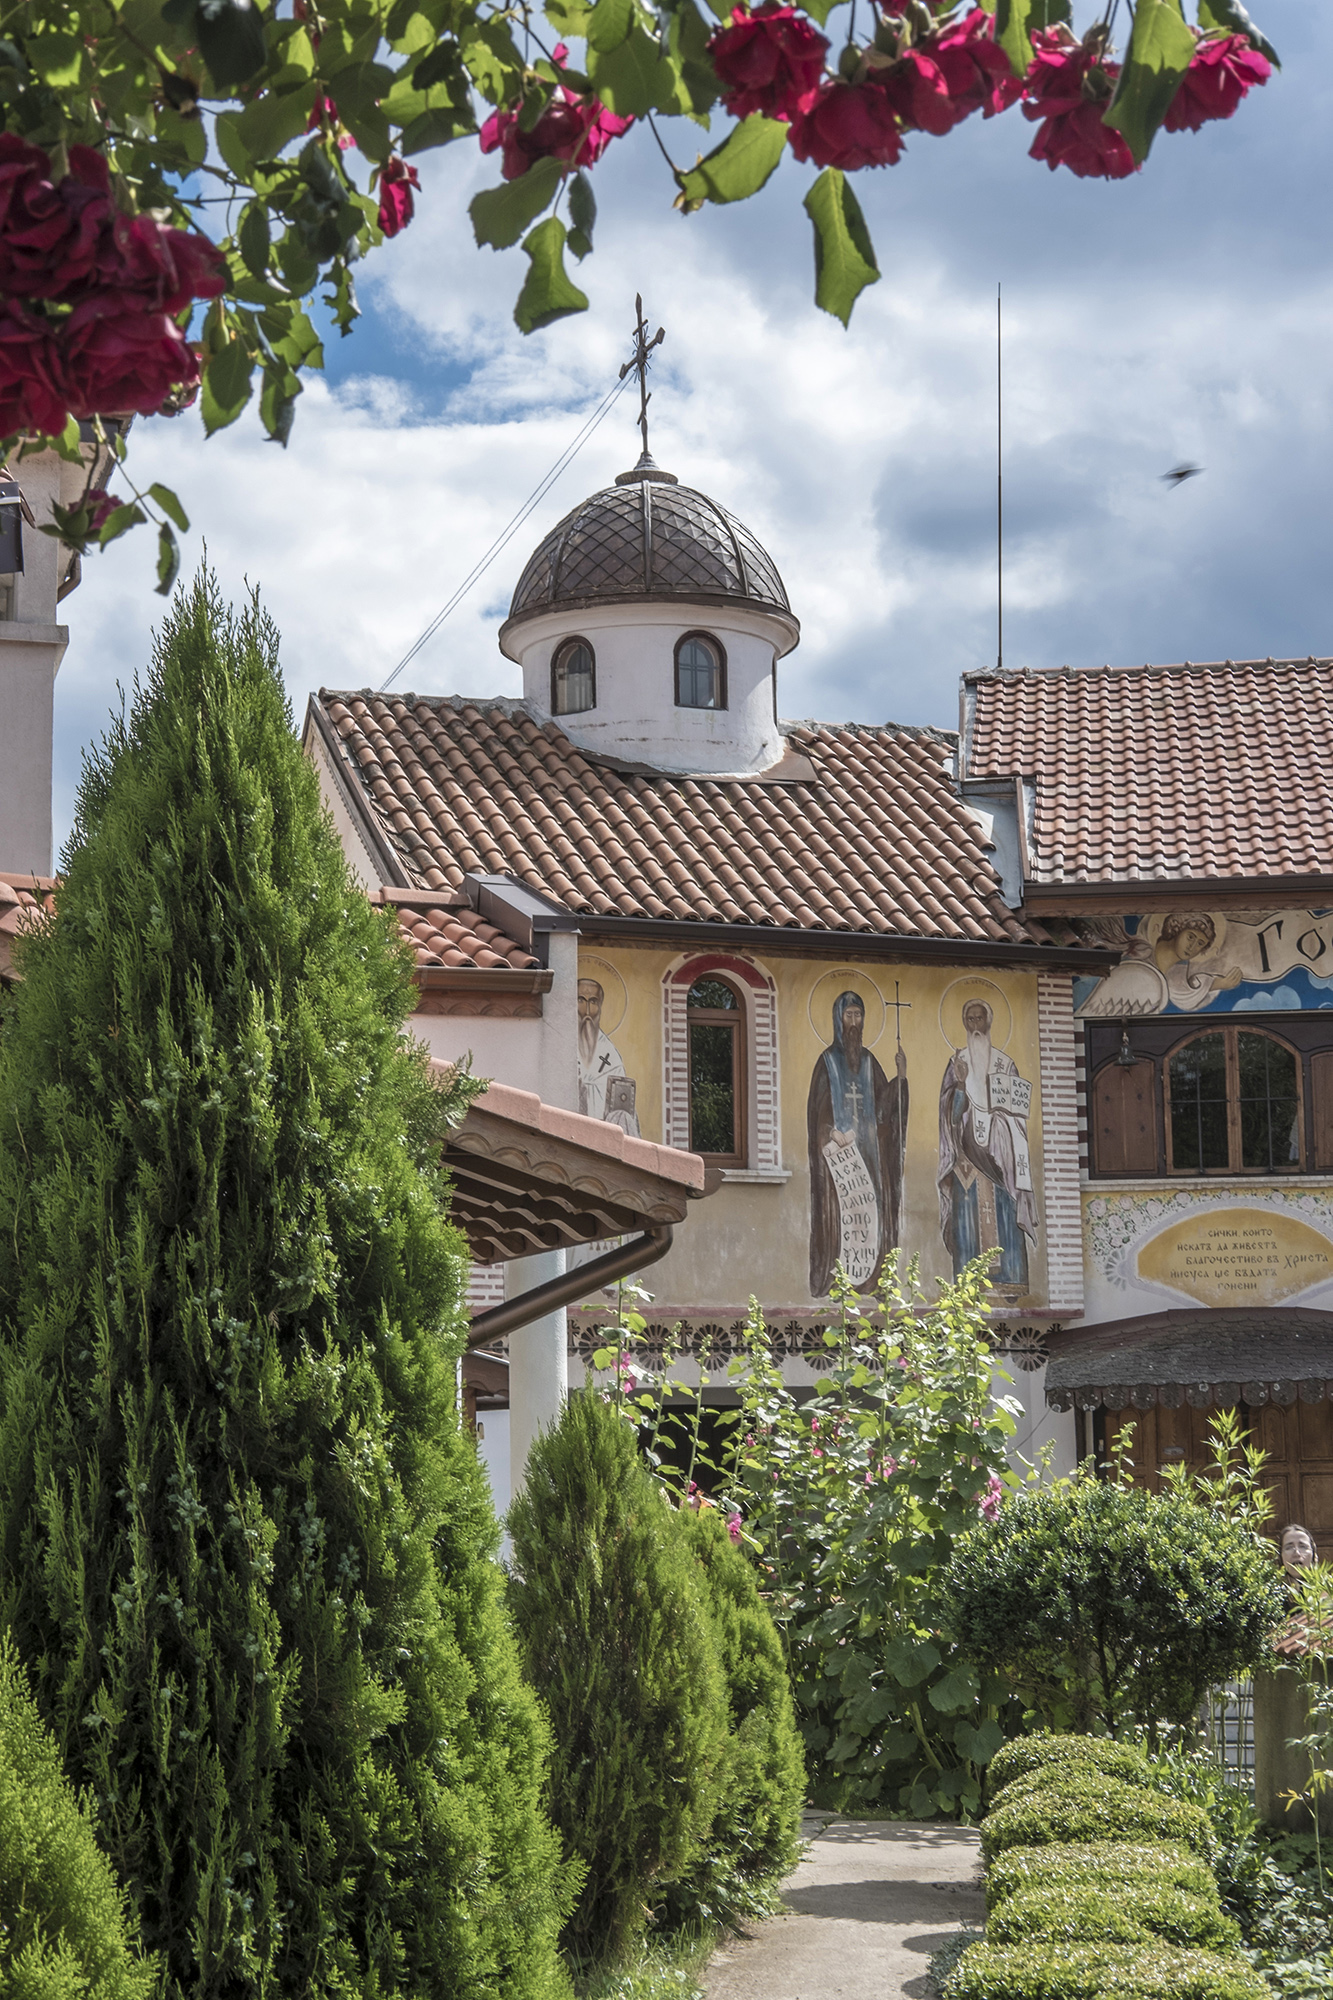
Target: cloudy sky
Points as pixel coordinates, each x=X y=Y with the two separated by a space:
x=1184 y=315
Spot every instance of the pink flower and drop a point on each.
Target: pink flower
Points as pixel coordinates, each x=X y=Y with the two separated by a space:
x=734 y=1527
x=326 y=108
x=870 y=1479
x=769 y=61
x=945 y=77
x=989 y=1501
x=574 y=129
x=103 y=505
x=1068 y=87
x=815 y=1452
x=814 y=1423
x=33 y=395
x=847 y=125
x=890 y=1467
x=119 y=358
x=1221 y=73
x=397 y=207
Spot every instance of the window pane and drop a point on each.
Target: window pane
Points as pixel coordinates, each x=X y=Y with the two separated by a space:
x=1199 y=1105
x=697 y=665
x=1269 y=1138
x=712 y=1088
x=571 y=679
x=711 y=993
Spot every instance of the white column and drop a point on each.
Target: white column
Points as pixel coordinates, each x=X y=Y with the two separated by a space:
x=538 y=1364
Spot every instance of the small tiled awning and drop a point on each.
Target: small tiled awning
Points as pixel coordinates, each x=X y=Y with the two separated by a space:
x=528 y=1177
x=1204 y=1357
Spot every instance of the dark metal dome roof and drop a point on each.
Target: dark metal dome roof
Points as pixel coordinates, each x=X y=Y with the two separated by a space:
x=647 y=537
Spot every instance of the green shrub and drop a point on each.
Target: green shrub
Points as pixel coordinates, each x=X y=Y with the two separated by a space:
x=610 y=1615
x=64 y=1929
x=246 y=1546
x=1028 y=1756
x=755 y=1835
x=1092 y=1913
x=1041 y=1971
x=1099 y=1602
x=1094 y=1809
x=1125 y=1865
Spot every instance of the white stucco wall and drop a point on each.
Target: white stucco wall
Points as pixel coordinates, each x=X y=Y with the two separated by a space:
x=32 y=645
x=636 y=715
x=540 y=1055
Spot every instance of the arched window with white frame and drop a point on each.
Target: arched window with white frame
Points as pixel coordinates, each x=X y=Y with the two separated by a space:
x=720 y=1064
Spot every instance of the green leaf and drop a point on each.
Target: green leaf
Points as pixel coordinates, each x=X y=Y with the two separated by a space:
x=253 y=238
x=735 y=169
x=844 y=255
x=274 y=120
x=1228 y=17
x=818 y=10
x=57 y=59
x=978 y=1745
x=235 y=153
x=571 y=17
x=226 y=386
x=910 y=1660
x=582 y=214
x=277 y=404
x=631 y=77
x=1160 y=50
x=1013 y=33
x=231 y=40
x=125 y=517
x=548 y=291
x=168 y=560
x=957 y=1689
x=169 y=504
x=501 y=214
x=609 y=25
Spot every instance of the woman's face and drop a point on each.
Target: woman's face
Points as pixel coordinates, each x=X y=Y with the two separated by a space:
x=1192 y=943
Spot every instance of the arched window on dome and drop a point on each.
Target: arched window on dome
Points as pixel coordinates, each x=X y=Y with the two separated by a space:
x=701 y=672
x=573 y=678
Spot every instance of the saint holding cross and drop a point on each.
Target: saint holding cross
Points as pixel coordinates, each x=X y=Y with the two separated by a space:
x=857 y=1127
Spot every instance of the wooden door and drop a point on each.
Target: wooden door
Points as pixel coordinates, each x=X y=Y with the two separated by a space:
x=1298 y=1442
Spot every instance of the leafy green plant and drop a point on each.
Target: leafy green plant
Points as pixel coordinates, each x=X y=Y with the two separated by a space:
x=246 y=1546
x=1046 y=1971
x=1123 y=1865
x=1030 y=1758
x=1091 y=1808
x=616 y=1639
x=1099 y=1913
x=65 y=1932
x=1101 y=1604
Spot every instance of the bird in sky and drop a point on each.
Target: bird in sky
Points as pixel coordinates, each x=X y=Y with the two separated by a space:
x=1179 y=474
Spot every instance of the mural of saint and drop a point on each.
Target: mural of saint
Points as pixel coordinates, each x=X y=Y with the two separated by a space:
x=857 y=1127
x=605 y=1091
x=1179 y=961
x=985 y=1175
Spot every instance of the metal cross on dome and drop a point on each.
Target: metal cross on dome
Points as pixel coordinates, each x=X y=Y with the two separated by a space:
x=643 y=347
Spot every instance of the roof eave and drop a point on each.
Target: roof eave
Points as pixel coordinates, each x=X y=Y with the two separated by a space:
x=795 y=941
x=707 y=600
x=1076 y=897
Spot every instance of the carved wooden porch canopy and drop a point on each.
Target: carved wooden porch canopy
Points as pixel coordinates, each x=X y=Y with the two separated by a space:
x=529 y=1177
x=1200 y=1356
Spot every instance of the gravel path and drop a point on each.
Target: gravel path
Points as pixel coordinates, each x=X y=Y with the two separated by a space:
x=869 y=1904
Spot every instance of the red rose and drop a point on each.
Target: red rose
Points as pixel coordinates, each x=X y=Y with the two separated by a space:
x=397 y=180
x=325 y=107
x=1068 y=87
x=847 y=125
x=32 y=389
x=119 y=356
x=102 y=504
x=948 y=76
x=1221 y=73
x=574 y=129
x=164 y=268
x=769 y=61
x=49 y=235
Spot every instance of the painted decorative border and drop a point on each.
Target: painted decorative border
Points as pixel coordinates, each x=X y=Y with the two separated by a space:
x=1117 y=1225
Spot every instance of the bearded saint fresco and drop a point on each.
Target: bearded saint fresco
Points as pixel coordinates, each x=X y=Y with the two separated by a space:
x=985 y=1174
x=857 y=1127
x=605 y=1091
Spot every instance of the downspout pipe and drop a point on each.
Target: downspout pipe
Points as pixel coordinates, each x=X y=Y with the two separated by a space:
x=636 y=1255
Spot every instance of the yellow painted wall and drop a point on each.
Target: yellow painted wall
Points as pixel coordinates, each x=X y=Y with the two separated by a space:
x=748 y=1238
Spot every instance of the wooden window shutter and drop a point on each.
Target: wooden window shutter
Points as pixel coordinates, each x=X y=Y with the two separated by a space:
x=1321 y=1090
x=1124 y=1119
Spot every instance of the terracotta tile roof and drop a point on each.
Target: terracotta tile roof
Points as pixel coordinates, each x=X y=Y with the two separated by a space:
x=458 y=936
x=874 y=840
x=1161 y=772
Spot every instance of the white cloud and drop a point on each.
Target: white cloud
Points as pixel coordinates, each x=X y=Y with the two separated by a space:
x=1177 y=316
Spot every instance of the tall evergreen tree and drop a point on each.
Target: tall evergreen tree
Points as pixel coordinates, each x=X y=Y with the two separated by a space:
x=246 y=1543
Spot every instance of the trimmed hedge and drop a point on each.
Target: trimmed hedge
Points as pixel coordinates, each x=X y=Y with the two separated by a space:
x=1085 y=1913
x=1093 y=1808
x=1124 y=1865
x=1043 y=1971
x=1028 y=1757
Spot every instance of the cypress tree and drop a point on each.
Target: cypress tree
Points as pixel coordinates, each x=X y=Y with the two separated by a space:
x=617 y=1642
x=246 y=1546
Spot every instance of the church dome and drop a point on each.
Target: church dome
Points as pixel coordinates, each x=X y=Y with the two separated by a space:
x=647 y=539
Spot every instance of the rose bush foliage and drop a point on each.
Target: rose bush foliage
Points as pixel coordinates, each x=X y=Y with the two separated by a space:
x=244 y=155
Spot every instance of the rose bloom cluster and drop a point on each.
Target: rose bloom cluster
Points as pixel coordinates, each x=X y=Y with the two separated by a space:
x=88 y=295
x=575 y=130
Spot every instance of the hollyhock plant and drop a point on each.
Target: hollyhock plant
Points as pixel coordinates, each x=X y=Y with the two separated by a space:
x=1223 y=70
x=117 y=357
x=1068 y=87
x=397 y=205
x=32 y=388
x=770 y=61
x=848 y=125
x=945 y=77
